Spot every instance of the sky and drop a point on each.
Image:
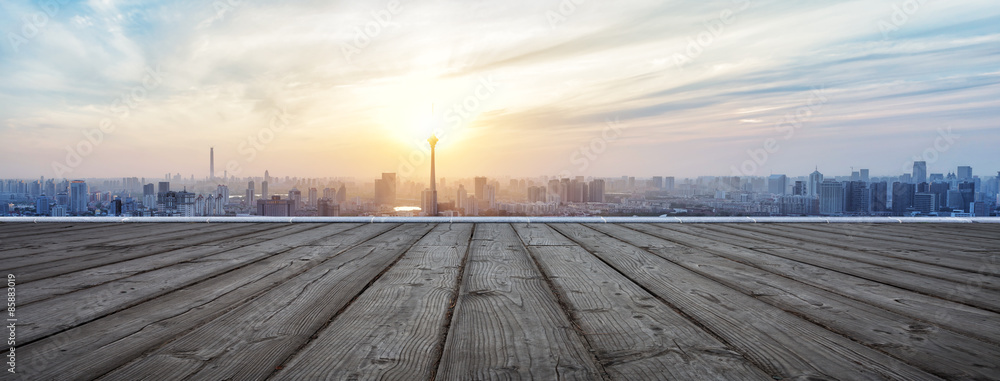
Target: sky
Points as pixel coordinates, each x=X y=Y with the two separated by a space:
x=112 y=88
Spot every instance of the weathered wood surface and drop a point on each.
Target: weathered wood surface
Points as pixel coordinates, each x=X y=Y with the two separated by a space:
x=959 y=317
x=393 y=330
x=780 y=343
x=507 y=323
x=936 y=350
x=500 y=301
x=635 y=335
x=98 y=347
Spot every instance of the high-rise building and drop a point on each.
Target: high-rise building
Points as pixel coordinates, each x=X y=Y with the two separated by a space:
x=251 y=194
x=295 y=198
x=776 y=184
x=78 y=197
x=864 y=175
x=656 y=182
x=925 y=203
x=276 y=207
x=313 y=197
x=327 y=207
x=815 y=179
x=433 y=211
x=964 y=173
x=855 y=200
x=263 y=190
x=490 y=196
x=919 y=172
x=879 y=197
x=42 y=204
x=799 y=189
x=480 y=183
x=668 y=183
x=342 y=194
x=461 y=197
x=596 y=190
x=211 y=163
x=902 y=197
x=385 y=190
x=831 y=197
x=940 y=189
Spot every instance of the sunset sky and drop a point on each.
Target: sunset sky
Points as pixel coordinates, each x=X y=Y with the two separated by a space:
x=320 y=88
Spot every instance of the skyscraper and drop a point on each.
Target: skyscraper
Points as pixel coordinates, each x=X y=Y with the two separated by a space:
x=78 y=197
x=902 y=197
x=480 y=183
x=385 y=190
x=776 y=184
x=597 y=190
x=313 y=197
x=263 y=190
x=211 y=163
x=864 y=175
x=964 y=173
x=919 y=172
x=251 y=194
x=295 y=197
x=433 y=211
x=815 y=179
x=831 y=197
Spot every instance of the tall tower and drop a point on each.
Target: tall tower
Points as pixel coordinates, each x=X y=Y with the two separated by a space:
x=211 y=163
x=433 y=210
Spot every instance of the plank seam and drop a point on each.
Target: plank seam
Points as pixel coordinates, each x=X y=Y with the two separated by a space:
x=450 y=314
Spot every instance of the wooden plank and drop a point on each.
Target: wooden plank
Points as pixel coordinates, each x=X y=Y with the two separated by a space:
x=981 y=297
x=69 y=282
x=969 y=232
x=865 y=237
x=393 y=330
x=778 y=342
x=252 y=340
x=93 y=349
x=507 y=323
x=952 y=268
x=958 y=317
x=21 y=229
x=938 y=351
x=28 y=246
x=51 y=264
x=67 y=248
x=634 y=335
x=53 y=315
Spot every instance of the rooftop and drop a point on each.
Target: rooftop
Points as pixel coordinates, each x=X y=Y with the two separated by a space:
x=459 y=301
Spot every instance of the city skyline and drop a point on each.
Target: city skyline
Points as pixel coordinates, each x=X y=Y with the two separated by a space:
x=522 y=89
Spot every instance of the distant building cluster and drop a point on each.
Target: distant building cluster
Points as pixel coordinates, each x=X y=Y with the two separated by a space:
x=919 y=193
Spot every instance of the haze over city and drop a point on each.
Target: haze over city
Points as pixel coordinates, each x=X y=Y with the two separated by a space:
x=515 y=88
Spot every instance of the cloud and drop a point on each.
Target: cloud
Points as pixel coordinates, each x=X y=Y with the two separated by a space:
x=359 y=77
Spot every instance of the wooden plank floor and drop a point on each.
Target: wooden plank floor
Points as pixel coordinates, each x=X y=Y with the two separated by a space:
x=504 y=301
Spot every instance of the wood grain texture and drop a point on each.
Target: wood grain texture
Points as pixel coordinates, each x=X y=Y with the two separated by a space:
x=979 y=297
x=934 y=349
x=955 y=268
x=392 y=331
x=90 y=350
x=778 y=342
x=64 y=311
x=634 y=335
x=962 y=318
x=507 y=323
x=276 y=324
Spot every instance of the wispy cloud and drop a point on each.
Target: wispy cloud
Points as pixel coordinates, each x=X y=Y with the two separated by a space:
x=358 y=110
